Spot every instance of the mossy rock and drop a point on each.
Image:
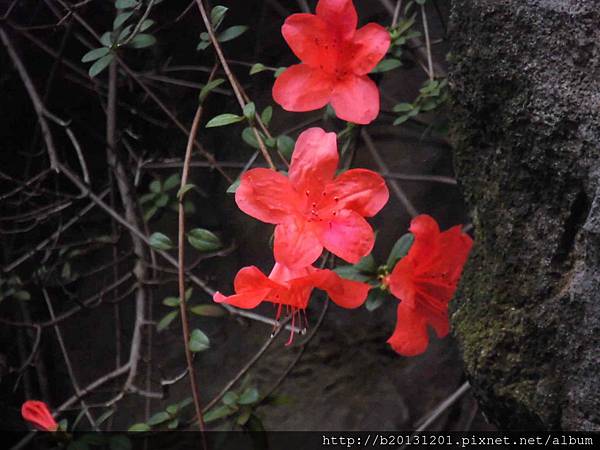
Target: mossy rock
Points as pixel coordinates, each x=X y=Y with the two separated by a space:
x=525 y=80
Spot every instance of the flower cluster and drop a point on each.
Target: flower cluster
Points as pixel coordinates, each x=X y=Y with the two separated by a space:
x=315 y=208
x=312 y=210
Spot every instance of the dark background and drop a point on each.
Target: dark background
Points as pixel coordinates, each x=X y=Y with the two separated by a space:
x=348 y=377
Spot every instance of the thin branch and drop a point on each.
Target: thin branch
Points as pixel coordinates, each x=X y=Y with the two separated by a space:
x=185 y=328
x=137 y=27
x=35 y=98
x=442 y=407
x=247 y=366
x=54 y=235
x=396 y=15
x=65 y=354
x=384 y=169
x=430 y=70
x=232 y=80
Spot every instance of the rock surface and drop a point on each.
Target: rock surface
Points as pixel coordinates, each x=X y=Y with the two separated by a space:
x=525 y=76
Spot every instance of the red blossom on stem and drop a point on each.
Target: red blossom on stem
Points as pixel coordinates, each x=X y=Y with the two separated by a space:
x=336 y=58
x=312 y=209
x=292 y=288
x=38 y=414
x=425 y=281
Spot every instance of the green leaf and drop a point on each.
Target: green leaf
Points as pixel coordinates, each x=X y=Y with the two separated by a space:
x=249 y=138
x=279 y=71
x=149 y=213
x=204 y=240
x=366 y=264
x=387 y=65
x=172 y=182
x=224 y=119
x=95 y=54
x=362 y=271
x=351 y=273
x=208 y=310
x=249 y=111
x=171 y=301
x=209 y=87
x=243 y=417
x=285 y=145
x=164 y=323
x=121 y=19
x=139 y=427
x=184 y=189
x=161 y=200
x=124 y=4
x=233 y=187
x=400 y=250
x=217 y=15
x=22 y=295
x=218 y=413
x=203 y=45
x=257 y=68
x=158 y=418
x=156 y=186
x=249 y=396
x=146 y=24
x=374 y=299
x=106 y=39
x=173 y=424
x=198 y=341
x=400 y=120
x=119 y=442
x=230 y=398
x=160 y=242
x=100 y=65
x=403 y=107
x=232 y=33
x=142 y=40
x=185 y=402
x=125 y=32
x=267 y=115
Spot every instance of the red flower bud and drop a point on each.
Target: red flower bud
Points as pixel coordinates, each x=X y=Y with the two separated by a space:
x=38 y=414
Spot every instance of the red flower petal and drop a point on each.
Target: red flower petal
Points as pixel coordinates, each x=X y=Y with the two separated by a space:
x=265 y=195
x=340 y=15
x=410 y=337
x=349 y=236
x=425 y=281
x=38 y=414
x=345 y=293
x=300 y=88
x=356 y=99
x=312 y=41
x=372 y=43
x=251 y=287
x=296 y=244
x=402 y=281
x=360 y=190
x=314 y=160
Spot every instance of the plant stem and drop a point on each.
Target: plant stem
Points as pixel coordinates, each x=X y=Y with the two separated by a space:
x=185 y=328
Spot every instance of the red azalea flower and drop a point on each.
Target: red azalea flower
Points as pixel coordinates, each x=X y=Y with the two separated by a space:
x=292 y=288
x=425 y=280
x=310 y=207
x=336 y=58
x=38 y=414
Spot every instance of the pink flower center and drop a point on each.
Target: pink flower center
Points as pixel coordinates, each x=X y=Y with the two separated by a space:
x=320 y=206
